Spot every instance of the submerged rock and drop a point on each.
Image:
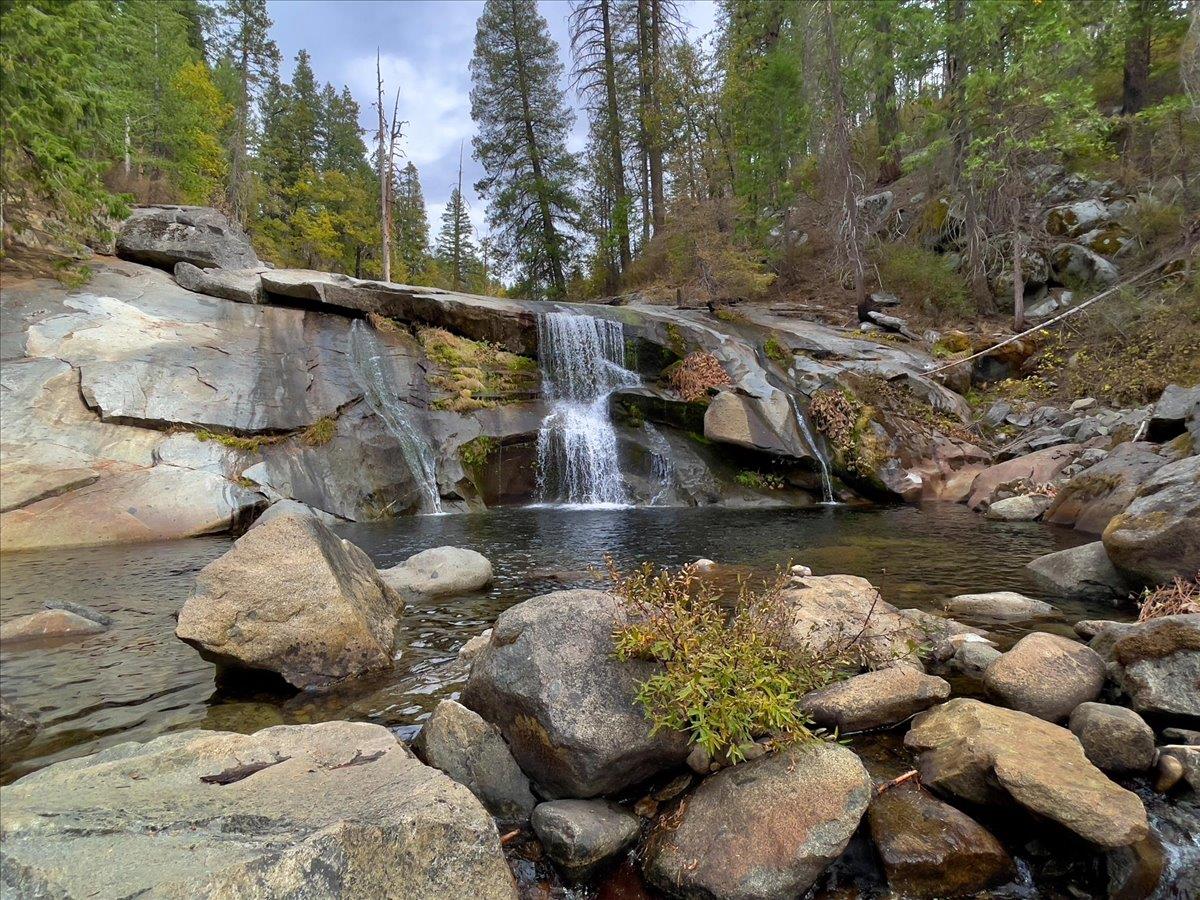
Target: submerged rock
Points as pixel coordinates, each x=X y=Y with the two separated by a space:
x=1157 y=537
x=550 y=681
x=1084 y=572
x=294 y=598
x=1023 y=508
x=18 y=728
x=930 y=849
x=985 y=754
x=999 y=606
x=338 y=809
x=1046 y=675
x=1156 y=663
x=762 y=830
x=472 y=752
x=873 y=700
x=165 y=235
x=52 y=623
x=440 y=572
x=583 y=836
x=1114 y=738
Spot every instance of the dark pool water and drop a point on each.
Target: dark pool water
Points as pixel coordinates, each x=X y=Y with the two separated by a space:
x=137 y=680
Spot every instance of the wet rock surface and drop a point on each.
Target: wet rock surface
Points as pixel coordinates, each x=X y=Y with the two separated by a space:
x=17 y=727
x=336 y=809
x=1083 y=572
x=999 y=606
x=875 y=699
x=1114 y=738
x=583 y=837
x=440 y=572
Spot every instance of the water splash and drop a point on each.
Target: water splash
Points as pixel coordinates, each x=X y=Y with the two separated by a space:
x=583 y=361
x=374 y=376
x=811 y=439
x=662 y=466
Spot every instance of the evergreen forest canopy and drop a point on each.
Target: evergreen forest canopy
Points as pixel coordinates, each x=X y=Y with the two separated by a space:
x=714 y=170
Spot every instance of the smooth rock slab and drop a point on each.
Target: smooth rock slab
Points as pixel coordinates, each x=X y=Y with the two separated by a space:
x=985 y=754
x=999 y=606
x=294 y=598
x=1084 y=572
x=930 y=849
x=875 y=699
x=473 y=753
x=1157 y=537
x=239 y=285
x=548 y=678
x=583 y=836
x=1032 y=469
x=1046 y=675
x=1114 y=738
x=761 y=830
x=338 y=809
x=440 y=572
x=1023 y=508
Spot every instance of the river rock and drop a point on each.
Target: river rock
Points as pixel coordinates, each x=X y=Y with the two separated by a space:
x=1188 y=765
x=1156 y=663
x=339 y=809
x=1040 y=467
x=1084 y=572
x=49 y=623
x=165 y=235
x=582 y=837
x=1176 y=407
x=294 y=598
x=875 y=699
x=762 y=830
x=1022 y=508
x=999 y=606
x=1114 y=738
x=985 y=754
x=281 y=508
x=440 y=572
x=551 y=683
x=472 y=752
x=239 y=285
x=973 y=658
x=1046 y=675
x=18 y=728
x=930 y=849
x=830 y=611
x=942 y=636
x=1157 y=537
x=1090 y=499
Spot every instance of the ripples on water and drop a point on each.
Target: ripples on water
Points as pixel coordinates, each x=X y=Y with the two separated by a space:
x=137 y=680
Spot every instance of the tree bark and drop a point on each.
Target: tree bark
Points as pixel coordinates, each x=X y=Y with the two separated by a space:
x=654 y=149
x=1137 y=57
x=643 y=60
x=887 y=120
x=620 y=193
x=841 y=138
x=385 y=231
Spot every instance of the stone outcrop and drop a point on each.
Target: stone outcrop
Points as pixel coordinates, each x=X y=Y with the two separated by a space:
x=761 y=830
x=1076 y=264
x=1083 y=572
x=999 y=606
x=165 y=235
x=239 y=285
x=1157 y=537
x=334 y=810
x=1156 y=663
x=1177 y=411
x=472 y=752
x=1114 y=738
x=440 y=572
x=1090 y=499
x=985 y=754
x=294 y=598
x=549 y=681
x=930 y=849
x=1046 y=675
x=1037 y=468
x=875 y=699
x=582 y=837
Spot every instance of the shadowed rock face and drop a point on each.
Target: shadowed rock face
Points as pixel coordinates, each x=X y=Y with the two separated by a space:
x=1157 y=537
x=333 y=810
x=165 y=235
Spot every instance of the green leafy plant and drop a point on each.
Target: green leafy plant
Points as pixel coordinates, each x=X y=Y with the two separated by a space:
x=727 y=675
x=475 y=452
x=775 y=351
x=760 y=481
x=923 y=279
x=319 y=433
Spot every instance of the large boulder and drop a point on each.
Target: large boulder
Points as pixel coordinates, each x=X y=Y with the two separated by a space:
x=874 y=699
x=338 y=809
x=440 y=572
x=165 y=235
x=1031 y=470
x=549 y=680
x=985 y=754
x=1074 y=219
x=294 y=598
x=1090 y=499
x=999 y=606
x=239 y=285
x=1176 y=408
x=766 y=424
x=584 y=836
x=1156 y=663
x=761 y=830
x=930 y=849
x=472 y=752
x=1046 y=675
x=1157 y=537
x=17 y=727
x=831 y=611
x=1077 y=266
x=1114 y=738
x=1084 y=572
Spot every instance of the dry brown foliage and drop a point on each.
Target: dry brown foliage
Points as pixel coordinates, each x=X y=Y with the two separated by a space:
x=696 y=374
x=1176 y=599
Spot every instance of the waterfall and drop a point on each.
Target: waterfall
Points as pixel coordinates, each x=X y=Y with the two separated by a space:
x=374 y=376
x=662 y=467
x=811 y=439
x=583 y=361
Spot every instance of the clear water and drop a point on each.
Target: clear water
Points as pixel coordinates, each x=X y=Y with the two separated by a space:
x=662 y=466
x=817 y=451
x=371 y=370
x=583 y=361
x=137 y=680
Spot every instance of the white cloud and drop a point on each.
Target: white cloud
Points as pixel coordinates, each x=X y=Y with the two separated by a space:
x=438 y=111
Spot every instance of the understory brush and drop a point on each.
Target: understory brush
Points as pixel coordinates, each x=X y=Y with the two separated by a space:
x=696 y=374
x=1175 y=599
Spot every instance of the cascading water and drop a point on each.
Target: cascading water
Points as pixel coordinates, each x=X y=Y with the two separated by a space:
x=811 y=439
x=662 y=468
x=583 y=362
x=374 y=377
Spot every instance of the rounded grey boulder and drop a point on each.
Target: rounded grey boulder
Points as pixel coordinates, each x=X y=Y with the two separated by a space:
x=1046 y=675
x=583 y=836
x=1114 y=738
x=165 y=235
x=440 y=572
x=875 y=699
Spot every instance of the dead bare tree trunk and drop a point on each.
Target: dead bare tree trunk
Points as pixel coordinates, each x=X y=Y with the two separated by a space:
x=841 y=140
x=384 y=218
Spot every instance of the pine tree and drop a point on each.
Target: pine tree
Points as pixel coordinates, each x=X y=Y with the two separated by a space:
x=523 y=125
x=411 y=223
x=455 y=249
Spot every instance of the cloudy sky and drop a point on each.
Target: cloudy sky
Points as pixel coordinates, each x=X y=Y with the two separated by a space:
x=426 y=50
